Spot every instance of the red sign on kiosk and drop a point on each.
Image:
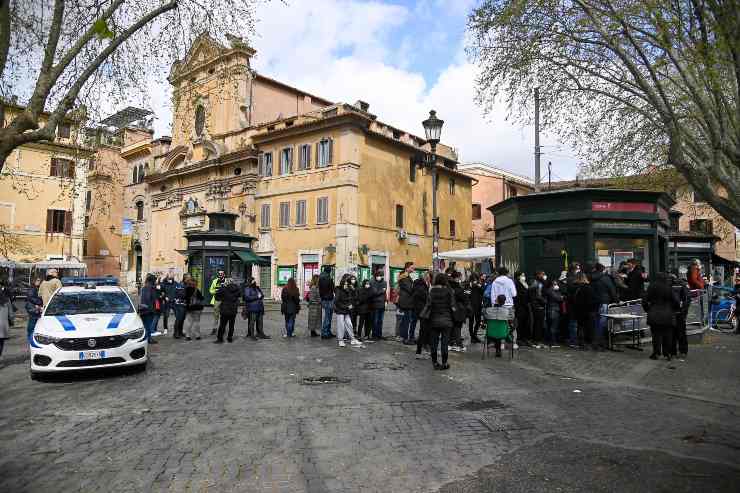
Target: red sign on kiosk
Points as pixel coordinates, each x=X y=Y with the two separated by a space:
x=644 y=207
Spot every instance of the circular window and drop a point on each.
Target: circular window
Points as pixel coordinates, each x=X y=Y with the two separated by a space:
x=200 y=120
x=162 y=188
x=237 y=171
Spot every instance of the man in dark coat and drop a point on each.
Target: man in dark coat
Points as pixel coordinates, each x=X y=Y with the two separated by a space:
x=326 y=292
x=605 y=292
x=680 y=343
x=474 y=292
x=635 y=281
x=377 y=305
x=661 y=304
x=406 y=303
x=229 y=295
x=420 y=293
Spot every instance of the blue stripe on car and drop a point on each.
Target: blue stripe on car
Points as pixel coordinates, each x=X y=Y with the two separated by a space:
x=113 y=324
x=66 y=323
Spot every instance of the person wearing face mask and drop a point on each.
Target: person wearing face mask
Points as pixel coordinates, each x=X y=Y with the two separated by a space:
x=475 y=295
x=380 y=288
x=213 y=289
x=521 y=309
x=364 y=299
x=538 y=305
x=255 y=309
x=405 y=302
x=354 y=291
x=605 y=292
x=342 y=308
x=553 y=298
x=314 y=307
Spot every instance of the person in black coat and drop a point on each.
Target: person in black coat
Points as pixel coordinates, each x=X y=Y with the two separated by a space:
x=605 y=291
x=441 y=303
x=661 y=304
x=229 y=295
x=585 y=307
x=290 y=298
x=461 y=303
x=635 y=281
x=354 y=293
x=474 y=292
x=420 y=293
x=364 y=312
x=326 y=292
x=405 y=302
x=680 y=343
x=521 y=309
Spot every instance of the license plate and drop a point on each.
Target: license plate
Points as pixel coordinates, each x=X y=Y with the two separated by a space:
x=92 y=355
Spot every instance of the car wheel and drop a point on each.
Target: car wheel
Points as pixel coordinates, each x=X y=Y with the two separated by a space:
x=35 y=376
x=141 y=367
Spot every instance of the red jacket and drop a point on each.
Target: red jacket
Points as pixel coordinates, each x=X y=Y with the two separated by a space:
x=695 y=279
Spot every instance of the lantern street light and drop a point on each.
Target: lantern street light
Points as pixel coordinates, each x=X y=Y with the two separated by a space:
x=433 y=131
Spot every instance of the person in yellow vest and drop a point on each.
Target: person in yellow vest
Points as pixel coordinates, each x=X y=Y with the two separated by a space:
x=216 y=283
x=50 y=286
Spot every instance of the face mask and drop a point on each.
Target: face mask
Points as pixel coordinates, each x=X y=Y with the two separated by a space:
x=354 y=282
x=544 y=278
x=556 y=287
x=578 y=270
x=378 y=278
x=522 y=279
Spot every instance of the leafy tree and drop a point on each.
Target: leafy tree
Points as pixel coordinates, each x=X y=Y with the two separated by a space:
x=63 y=54
x=630 y=84
x=12 y=243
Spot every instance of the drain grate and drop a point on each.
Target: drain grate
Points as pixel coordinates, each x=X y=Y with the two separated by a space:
x=324 y=380
x=480 y=405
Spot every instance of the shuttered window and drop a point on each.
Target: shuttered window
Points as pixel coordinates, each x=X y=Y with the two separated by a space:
x=58 y=221
x=63 y=131
x=399 y=216
x=300 y=213
x=305 y=157
x=322 y=210
x=324 y=151
x=265 y=216
x=453 y=232
x=284 y=214
x=265 y=164
x=286 y=161
x=62 y=168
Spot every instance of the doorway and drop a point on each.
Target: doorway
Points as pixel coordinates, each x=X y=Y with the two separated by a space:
x=309 y=270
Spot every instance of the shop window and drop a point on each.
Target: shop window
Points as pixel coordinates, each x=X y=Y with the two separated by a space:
x=265 y=216
x=284 y=214
x=399 y=216
x=62 y=168
x=300 y=213
x=612 y=252
x=477 y=211
x=412 y=171
x=139 y=210
x=453 y=231
x=322 y=210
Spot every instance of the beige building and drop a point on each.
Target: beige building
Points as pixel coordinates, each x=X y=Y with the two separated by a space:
x=42 y=195
x=491 y=185
x=311 y=182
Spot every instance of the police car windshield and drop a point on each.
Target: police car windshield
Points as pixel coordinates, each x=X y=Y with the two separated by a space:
x=89 y=302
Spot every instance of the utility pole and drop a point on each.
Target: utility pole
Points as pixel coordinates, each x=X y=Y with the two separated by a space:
x=549 y=175
x=537 y=186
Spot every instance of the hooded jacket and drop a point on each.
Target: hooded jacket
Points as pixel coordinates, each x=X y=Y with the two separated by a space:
x=228 y=295
x=605 y=290
x=253 y=299
x=440 y=302
x=419 y=296
x=379 y=290
x=342 y=301
x=364 y=298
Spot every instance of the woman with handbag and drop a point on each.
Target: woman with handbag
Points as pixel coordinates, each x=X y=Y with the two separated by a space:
x=148 y=298
x=290 y=306
x=661 y=303
x=441 y=304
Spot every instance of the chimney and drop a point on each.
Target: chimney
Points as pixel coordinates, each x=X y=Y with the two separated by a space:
x=362 y=105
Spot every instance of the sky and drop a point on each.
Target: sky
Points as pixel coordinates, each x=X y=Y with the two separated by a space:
x=403 y=58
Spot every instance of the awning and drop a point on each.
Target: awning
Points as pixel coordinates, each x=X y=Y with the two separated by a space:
x=60 y=264
x=469 y=254
x=249 y=257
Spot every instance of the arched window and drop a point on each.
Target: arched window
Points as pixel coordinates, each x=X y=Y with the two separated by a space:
x=141 y=173
x=140 y=210
x=135 y=177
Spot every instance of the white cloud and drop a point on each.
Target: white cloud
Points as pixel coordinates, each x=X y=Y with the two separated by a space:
x=345 y=50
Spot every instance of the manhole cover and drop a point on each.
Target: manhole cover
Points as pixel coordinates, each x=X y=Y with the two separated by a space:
x=480 y=405
x=323 y=380
x=377 y=365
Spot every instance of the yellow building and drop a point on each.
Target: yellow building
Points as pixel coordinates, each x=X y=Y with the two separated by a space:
x=42 y=195
x=310 y=182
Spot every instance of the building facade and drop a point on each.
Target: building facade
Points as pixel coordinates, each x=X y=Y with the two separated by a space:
x=42 y=195
x=491 y=185
x=310 y=183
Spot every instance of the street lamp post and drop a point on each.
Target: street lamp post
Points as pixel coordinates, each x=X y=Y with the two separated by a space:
x=433 y=130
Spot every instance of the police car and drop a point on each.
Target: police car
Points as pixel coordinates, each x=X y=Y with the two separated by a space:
x=88 y=327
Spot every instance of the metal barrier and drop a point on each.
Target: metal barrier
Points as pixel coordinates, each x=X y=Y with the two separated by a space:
x=697 y=318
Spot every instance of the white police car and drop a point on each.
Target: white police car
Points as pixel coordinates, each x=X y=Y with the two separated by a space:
x=87 y=327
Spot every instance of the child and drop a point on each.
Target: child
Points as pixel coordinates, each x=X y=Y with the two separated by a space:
x=498 y=329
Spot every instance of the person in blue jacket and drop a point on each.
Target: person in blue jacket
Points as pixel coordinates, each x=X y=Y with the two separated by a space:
x=254 y=307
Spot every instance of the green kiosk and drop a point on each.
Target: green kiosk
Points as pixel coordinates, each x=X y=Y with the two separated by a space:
x=221 y=247
x=547 y=230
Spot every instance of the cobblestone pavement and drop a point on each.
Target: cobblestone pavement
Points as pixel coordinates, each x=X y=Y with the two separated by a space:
x=243 y=417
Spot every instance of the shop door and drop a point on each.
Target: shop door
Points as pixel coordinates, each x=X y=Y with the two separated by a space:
x=266 y=278
x=309 y=270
